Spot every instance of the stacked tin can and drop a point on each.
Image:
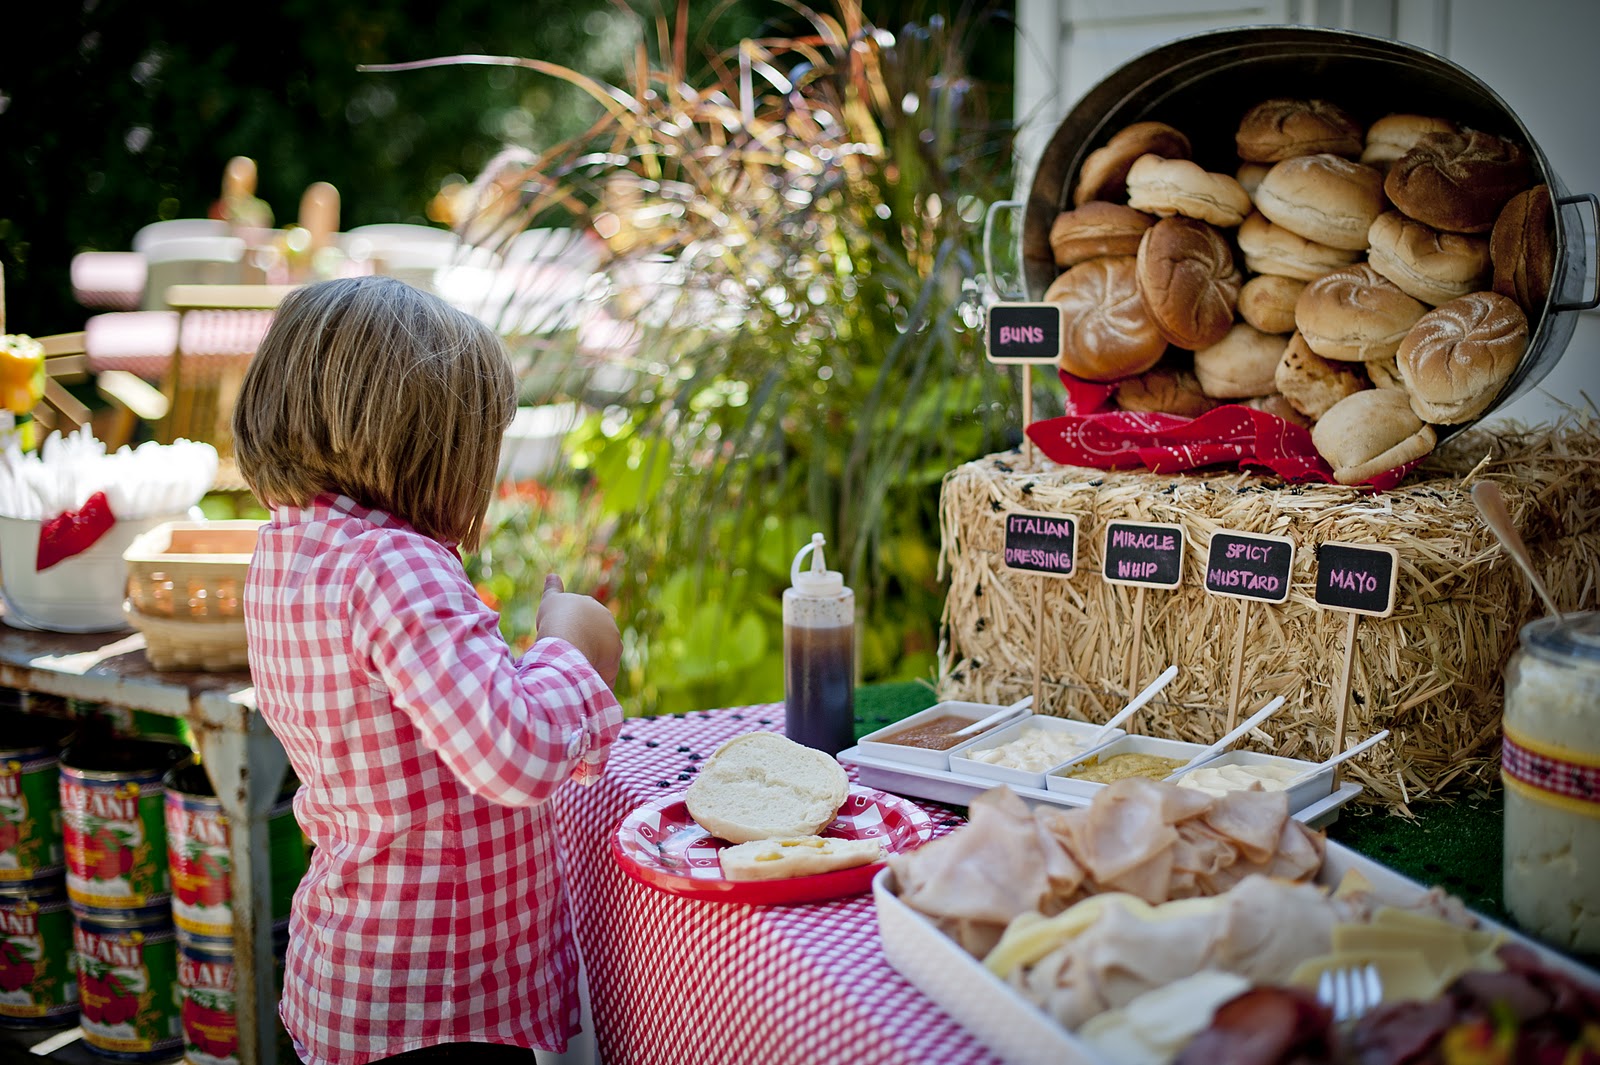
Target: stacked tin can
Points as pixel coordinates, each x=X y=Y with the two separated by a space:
x=37 y=983
x=114 y=830
x=200 y=859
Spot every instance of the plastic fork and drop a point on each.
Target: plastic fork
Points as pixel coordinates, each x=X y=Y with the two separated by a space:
x=1350 y=992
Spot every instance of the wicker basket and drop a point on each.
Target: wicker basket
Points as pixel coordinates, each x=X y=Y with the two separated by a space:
x=185 y=583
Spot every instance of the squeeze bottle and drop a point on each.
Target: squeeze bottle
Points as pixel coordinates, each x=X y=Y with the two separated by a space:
x=819 y=654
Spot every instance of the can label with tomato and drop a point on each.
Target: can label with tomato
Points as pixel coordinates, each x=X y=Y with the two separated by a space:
x=114 y=827
x=38 y=982
x=200 y=859
x=128 y=986
x=31 y=854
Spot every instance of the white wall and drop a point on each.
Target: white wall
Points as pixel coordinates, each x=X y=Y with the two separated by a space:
x=1539 y=55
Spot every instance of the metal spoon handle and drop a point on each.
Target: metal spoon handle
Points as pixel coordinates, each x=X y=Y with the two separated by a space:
x=1486 y=496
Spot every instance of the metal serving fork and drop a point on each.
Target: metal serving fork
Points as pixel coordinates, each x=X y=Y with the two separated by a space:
x=1350 y=992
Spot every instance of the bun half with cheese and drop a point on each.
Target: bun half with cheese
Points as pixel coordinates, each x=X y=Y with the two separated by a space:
x=764 y=786
x=789 y=856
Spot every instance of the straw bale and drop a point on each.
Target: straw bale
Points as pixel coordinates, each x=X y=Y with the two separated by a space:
x=1431 y=672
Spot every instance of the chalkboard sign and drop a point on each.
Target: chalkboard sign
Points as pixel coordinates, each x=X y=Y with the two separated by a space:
x=1041 y=543
x=1357 y=577
x=1024 y=332
x=1143 y=554
x=1249 y=566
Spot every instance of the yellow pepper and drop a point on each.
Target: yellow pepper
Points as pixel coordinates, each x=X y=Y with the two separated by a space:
x=21 y=373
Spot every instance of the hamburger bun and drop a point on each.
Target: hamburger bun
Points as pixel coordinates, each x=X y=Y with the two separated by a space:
x=1267 y=302
x=1097 y=228
x=1107 y=333
x=1164 y=389
x=789 y=856
x=1278 y=129
x=1522 y=246
x=1423 y=262
x=1457 y=356
x=1355 y=314
x=1323 y=198
x=1394 y=135
x=1312 y=384
x=1188 y=280
x=1458 y=182
x=1249 y=176
x=1279 y=407
x=1240 y=365
x=1104 y=173
x=1271 y=249
x=1370 y=432
x=762 y=785
x=1176 y=186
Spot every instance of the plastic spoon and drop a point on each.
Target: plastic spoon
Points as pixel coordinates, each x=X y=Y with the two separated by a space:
x=1134 y=707
x=1486 y=496
x=1336 y=759
x=1223 y=744
x=995 y=718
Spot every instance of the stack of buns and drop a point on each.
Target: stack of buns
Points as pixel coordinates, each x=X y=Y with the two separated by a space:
x=772 y=798
x=1367 y=282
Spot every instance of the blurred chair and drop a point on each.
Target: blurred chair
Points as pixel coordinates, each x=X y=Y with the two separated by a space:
x=219 y=329
x=129 y=398
x=191 y=261
x=108 y=280
x=179 y=229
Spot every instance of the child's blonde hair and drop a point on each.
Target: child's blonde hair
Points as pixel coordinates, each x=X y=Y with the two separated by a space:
x=389 y=395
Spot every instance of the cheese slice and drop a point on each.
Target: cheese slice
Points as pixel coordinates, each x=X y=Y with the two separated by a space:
x=1403 y=973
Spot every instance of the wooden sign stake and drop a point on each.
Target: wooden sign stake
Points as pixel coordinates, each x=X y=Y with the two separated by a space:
x=1238 y=663
x=1027 y=420
x=1038 y=646
x=1045 y=545
x=1358 y=579
x=1138 y=638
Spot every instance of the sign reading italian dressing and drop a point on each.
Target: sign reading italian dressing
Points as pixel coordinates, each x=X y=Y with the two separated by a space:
x=1357 y=577
x=1041 y=543
x=1024 y=332
x=1249 y=566
x=1149 y=555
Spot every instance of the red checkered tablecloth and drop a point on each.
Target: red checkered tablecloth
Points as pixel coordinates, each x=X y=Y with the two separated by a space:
x=678 y=981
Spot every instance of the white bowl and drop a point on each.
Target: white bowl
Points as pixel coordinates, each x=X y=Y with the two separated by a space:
x=873 y=742
x=1318 y=786
x=1056 y=780
x=83 y=593
x=964 y=762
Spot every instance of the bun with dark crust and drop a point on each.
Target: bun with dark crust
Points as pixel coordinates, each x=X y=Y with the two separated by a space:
x=1458 y=182
x=1279 y=129
x=1107 y=333
x=1189 y=281
x=1522 y=247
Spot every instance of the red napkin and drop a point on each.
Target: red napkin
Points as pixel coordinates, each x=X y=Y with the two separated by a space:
x=1095 y=435
x=74 y=531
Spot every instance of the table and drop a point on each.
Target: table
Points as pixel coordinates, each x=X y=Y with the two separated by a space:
x=674 y=980
x=244 y=760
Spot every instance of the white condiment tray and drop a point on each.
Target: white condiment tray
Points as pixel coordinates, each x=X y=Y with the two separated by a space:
x=1021 y=1033
x=872 y=743
x=958 y=789
x=963 y=762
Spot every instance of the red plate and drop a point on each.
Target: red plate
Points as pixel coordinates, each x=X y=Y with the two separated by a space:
x=659 y=845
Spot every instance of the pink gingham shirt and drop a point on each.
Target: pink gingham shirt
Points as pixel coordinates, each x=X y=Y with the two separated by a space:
x=432 y=911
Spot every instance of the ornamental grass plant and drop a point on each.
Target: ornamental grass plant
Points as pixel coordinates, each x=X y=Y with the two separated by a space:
x=784 y=334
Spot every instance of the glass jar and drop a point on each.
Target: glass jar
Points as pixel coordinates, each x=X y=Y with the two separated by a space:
x=1551 y=768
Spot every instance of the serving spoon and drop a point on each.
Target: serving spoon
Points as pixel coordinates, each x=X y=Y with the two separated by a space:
x=1307 y=774
x=995 y=718
x=1223 y=744
x=1492 y=505
x=1134 y=707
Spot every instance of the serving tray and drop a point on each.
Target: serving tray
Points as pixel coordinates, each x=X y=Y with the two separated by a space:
x=958 y=789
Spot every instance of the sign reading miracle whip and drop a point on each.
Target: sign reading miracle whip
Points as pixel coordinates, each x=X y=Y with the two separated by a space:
x=1144 y=555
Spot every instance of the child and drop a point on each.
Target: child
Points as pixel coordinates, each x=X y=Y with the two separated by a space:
x=370 y=421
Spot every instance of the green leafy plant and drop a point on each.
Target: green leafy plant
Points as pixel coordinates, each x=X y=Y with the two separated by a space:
x=792 y=287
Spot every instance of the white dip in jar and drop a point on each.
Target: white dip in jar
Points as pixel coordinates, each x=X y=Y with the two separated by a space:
x=1550 y=764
